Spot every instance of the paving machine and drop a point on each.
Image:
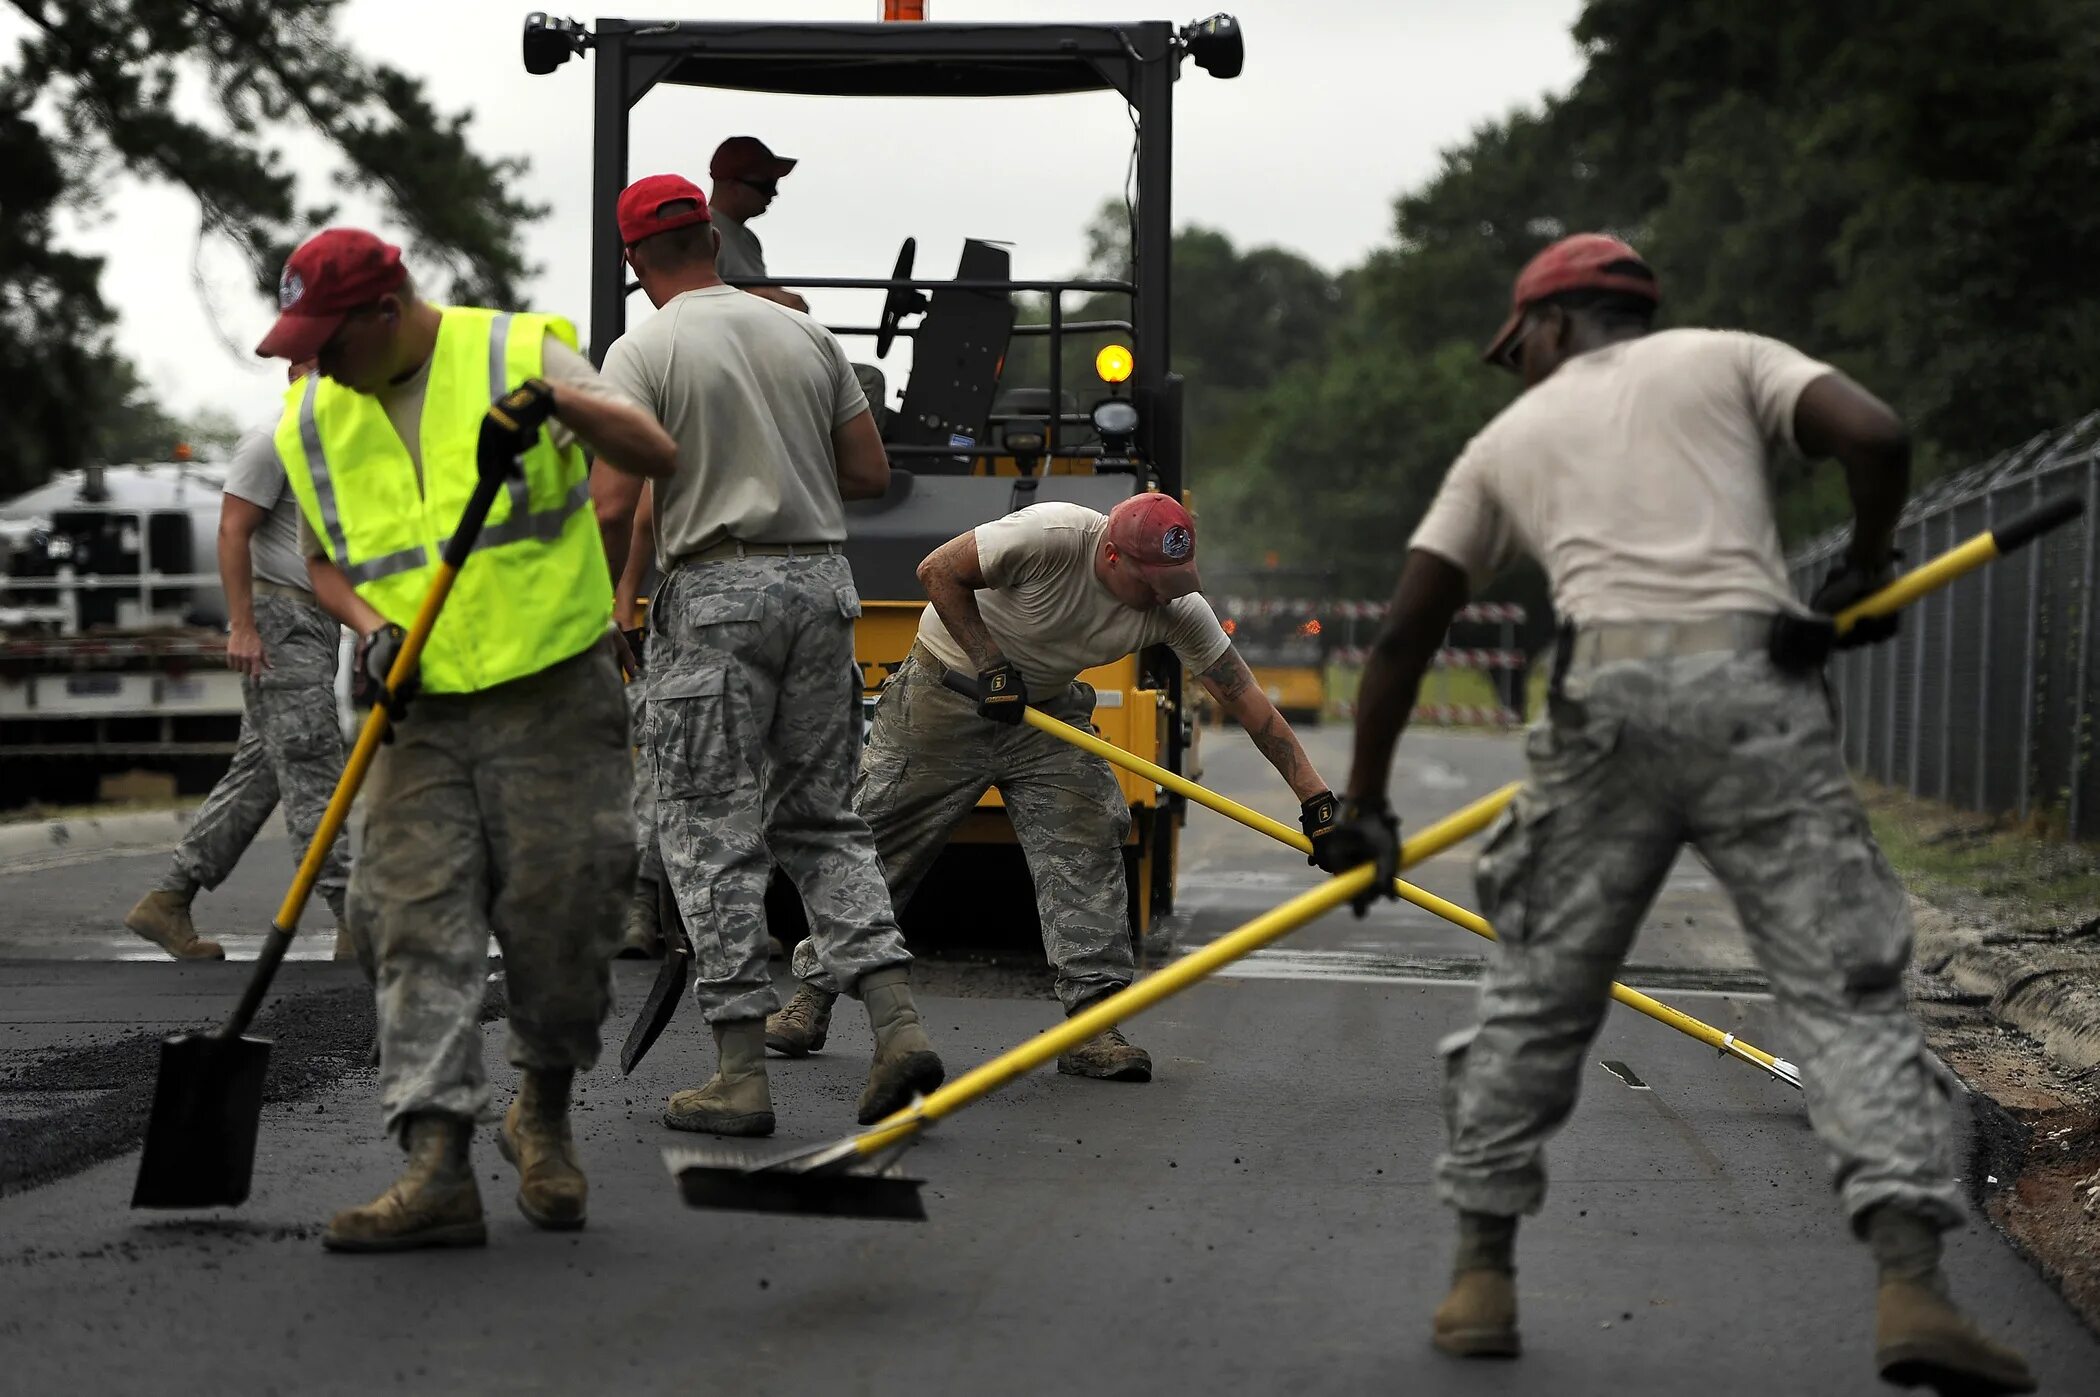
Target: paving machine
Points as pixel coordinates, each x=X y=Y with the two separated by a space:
x=966 y=443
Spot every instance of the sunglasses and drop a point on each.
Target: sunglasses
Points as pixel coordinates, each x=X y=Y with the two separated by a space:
x=764 y=186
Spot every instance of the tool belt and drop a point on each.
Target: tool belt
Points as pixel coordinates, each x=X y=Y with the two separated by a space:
x=737 y=548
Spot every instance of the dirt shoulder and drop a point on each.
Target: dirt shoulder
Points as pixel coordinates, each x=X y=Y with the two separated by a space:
x=2007 y=985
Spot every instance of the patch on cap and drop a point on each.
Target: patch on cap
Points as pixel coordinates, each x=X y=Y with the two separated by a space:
x=1176 y=543
x=290 y=287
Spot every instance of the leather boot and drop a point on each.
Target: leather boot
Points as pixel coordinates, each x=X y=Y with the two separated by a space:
x=1478 y=1319
x=905 y=1064
x=433 y=1204
x=1920 y=1339
x=801 y=1026
x=641 y=938
x=535 y=1137
x=737 y=1100
x=1106 y=1057
x=163 y=917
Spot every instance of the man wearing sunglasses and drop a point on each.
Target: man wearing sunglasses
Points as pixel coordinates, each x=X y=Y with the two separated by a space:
x=1687 y=707
x=746 y=177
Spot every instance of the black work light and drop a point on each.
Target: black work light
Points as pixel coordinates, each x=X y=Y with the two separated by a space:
x=1216 y=45
x=549 y=41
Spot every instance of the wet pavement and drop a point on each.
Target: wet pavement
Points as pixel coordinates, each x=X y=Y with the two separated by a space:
x=1257 y=1219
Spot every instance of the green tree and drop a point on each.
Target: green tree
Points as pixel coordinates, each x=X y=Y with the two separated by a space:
x=92 y=90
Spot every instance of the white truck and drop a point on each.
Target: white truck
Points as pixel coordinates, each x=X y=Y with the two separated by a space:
x=112 y=633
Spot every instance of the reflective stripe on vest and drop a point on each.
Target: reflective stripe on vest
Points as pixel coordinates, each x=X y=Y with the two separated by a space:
x=536 y=590
x=523 y=523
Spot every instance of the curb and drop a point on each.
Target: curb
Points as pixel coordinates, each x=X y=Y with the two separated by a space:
x=35 y=843
x=2045 y=985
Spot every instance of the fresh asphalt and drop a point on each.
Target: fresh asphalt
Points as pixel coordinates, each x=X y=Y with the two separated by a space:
x=1258 y=1219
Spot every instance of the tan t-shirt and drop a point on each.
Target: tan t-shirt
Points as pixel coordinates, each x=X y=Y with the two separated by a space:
x=1639 y=475
x=752 y=391
x=562 y=366
x=1053 y=617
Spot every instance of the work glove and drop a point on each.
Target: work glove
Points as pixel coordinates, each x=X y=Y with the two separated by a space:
x=1318 y=817
x=1801 y=644
x=1001 y=696
x=1849 y=582
x=1368 y=832
x=376 y=652
x=513 y=421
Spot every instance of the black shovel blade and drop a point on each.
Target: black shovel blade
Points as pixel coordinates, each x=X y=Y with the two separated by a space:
x=722 y=1178
x=660 y=1006
x=207 y=1107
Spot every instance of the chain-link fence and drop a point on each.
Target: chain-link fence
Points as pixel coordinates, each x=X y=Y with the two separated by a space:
x=1985 y=698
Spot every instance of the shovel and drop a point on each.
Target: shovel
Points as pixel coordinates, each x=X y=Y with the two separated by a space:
x=207 y=1103
x=857 y=1176
x=669 y=987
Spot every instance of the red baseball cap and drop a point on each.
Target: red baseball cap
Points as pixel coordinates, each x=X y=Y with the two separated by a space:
x=334 y=272
x=1583 y=262
x=1156 y=533
x=747 y=157
x=640 y=213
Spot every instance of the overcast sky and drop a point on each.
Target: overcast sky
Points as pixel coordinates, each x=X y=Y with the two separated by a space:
x=1343 y=104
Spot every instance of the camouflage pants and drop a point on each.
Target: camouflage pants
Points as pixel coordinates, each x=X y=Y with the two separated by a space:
x=930 y=758
x=504 y=811
x=1726 y=753
x=752 y=735
x=290 y=753
x=650 y=866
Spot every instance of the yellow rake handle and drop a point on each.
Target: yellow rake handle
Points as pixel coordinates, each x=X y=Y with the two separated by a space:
x=1171 y=980
x=1474 y=817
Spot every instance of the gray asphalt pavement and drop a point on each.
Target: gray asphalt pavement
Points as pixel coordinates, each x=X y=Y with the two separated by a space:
x=1258 y=1219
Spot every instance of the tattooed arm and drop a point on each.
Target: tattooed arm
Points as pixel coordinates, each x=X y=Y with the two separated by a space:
x=1232 y=684
x=952 y=577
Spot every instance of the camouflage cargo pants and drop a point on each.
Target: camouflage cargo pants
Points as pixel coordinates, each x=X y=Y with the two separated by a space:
x=931 y=757
x=649 y=865
x=1724 y=752
x=507 y=812
x=752 y=734
x=290 y=753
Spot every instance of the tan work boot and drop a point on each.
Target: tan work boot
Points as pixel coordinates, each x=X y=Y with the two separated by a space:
x=905 y=1063
x=642 y=938
x=800 y=1027
x=535 y=1137
x=1107 y=1057
x=1921 y=1340
x=163 y=917
x=737 y=1100
x=433 y=1204
x=1478 y=1319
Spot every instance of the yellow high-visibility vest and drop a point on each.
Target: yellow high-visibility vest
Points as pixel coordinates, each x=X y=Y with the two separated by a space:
x=535 y=591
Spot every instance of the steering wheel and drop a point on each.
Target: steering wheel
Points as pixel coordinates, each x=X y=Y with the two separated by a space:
x=902 y=300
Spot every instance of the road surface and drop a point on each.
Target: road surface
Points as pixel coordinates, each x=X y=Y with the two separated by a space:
x=1258 y=1219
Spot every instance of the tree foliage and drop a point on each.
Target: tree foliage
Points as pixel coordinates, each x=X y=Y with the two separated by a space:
x=1909 y=189
x=99 y=87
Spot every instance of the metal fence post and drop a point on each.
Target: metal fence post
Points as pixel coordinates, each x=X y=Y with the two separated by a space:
x=2080 y=727
x=2034 y=613
x=1983 y=672
x=1947 y=676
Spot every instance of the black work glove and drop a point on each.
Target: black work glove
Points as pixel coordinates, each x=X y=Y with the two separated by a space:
x=1367 y=833
x=375 y=660
x=1851 y=582
x=1001 y=696
x=1318 y=818
x=513 y=421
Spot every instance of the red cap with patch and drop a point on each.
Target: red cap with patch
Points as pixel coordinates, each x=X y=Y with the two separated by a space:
x=1583 y=262
x=1156 y=533
x=334 y=272
x=641 y=209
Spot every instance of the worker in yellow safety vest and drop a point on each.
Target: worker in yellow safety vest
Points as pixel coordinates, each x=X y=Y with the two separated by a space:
x=501 y=805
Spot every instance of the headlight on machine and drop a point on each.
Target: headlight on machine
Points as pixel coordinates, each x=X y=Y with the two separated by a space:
x=1115 y=418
